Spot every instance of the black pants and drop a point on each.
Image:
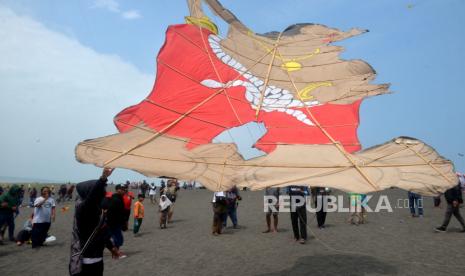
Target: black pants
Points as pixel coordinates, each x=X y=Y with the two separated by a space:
x=321 y=217
x=23 y=236
x=95 y=269
x=320 y=202
x=299 y=223
x=7 y=218
x=219 y=214
x=456 y=212
x=39 y=233
x=437 y=201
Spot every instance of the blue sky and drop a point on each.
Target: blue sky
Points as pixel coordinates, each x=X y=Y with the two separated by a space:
x=67 y=67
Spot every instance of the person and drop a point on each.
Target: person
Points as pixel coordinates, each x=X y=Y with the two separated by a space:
x=298 y=212
x=219 y=211
x=138 y=213
x=273 y=195
x=232 y=198
x=164 y=208
x=22 y=191
x=116 y=218
x=144 y=187
x=44 y=214
x=152 y=193
x=319 y=197
x=363 y=205
x=171 y=191
x=127 y=201
x=162 y=185
x=415 y=201
x=32 y=196
x=89 y=237
x=25 y=234
x=8 y=205
x=357 y=210
x=62 y=193
x=69 y=193
x=454 y=199
x=437 y=201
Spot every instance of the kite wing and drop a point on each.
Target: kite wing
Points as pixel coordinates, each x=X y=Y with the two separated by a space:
x=293 y=82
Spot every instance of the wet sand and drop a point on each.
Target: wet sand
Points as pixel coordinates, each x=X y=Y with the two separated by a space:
x=389 y=244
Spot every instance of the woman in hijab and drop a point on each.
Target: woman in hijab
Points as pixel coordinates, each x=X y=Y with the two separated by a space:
x=164 y=208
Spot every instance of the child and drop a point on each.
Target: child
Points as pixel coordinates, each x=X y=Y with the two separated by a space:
x=138 y=213
x=25 y=234
x=164 y=208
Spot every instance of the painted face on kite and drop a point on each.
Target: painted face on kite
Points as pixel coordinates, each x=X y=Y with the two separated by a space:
x=200 y=76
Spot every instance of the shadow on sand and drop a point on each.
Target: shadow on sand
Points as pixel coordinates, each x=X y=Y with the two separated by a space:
x=338 y=264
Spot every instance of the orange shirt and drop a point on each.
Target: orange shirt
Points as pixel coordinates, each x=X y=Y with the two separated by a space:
x=138 y=209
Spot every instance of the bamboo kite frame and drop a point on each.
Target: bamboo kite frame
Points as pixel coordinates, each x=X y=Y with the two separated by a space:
x=224 y=163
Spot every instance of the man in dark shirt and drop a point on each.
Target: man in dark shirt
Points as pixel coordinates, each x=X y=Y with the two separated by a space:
x=232 y=196
x=116 y=218
x=454 y=199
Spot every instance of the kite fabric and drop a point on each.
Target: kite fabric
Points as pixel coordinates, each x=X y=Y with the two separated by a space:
x=294 y=83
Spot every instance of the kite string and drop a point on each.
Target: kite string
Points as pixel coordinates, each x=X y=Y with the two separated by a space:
x=229 y=101
x=205 y=48
x=352 y=252
x=270 y=66
x=338 y=145
x=217 y=73
x=229 y=97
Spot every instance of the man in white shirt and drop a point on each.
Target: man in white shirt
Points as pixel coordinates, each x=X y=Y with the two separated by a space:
x=153 y=193
x=44 y=214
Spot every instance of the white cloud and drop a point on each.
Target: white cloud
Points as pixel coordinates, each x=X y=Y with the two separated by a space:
x=110 y=5
x=113 y=6
x=55 y=92
x=132 y=14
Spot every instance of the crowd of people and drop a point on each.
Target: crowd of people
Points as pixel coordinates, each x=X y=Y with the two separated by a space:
x=101 y=217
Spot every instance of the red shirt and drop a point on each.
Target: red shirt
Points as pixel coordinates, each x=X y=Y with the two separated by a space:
x=127 y=200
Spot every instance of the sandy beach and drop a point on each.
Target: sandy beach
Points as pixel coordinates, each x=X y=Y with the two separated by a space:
x=389 y=244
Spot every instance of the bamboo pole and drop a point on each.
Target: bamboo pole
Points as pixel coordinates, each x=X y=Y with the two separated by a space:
x=427 y=162
x=154 y=136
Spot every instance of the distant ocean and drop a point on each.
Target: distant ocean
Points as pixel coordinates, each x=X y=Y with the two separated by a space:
x=12 y=179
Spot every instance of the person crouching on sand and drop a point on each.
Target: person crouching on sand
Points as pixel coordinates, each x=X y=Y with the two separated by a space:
x=164 y=209
x=25 y=234
x=138 y=213
x=219 y=212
